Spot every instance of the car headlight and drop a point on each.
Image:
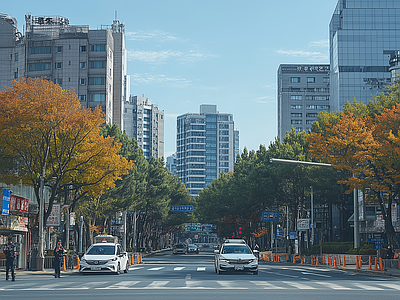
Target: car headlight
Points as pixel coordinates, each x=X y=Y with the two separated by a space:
x=113 y=259
x=224 y=260
x=252 y=260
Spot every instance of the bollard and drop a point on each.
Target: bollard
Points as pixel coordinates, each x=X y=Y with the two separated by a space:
x=334 y=263
x=344 y=261
x=369 y=263
x=360 y=263
x=78 y=262
x=129 y=260
x=317 y=261
x=381 y=264
x=141 y=260
x=357 y=263
x=376 y=264
x=63 y=266
x=137 y=258
x=312 y=260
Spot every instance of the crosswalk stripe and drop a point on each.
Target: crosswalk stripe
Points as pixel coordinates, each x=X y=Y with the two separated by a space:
x=178 y=268
x=333 y=286
x=231 y=285
x=390 y=285
x=157 y=285
x=368 y=287
x=266 y=285
x=156 y=269
x=201 y=268
x=120 y=285
x=300 y=286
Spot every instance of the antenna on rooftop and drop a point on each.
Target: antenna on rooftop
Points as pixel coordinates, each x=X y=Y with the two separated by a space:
x=115 y=15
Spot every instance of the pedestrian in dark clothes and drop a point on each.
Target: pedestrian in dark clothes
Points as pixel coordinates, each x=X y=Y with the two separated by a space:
x=58 y=259
x=10 y=251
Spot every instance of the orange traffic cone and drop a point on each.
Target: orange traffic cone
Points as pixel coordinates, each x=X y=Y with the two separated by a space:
x=334 y=263
x=381 y=264
x=369 y=263
x=317 y=263
x=376 y=264
x=63 y=266
x=294 y=258
x=344 y=261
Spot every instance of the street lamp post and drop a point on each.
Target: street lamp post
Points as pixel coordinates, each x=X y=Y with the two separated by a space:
x=356 y=220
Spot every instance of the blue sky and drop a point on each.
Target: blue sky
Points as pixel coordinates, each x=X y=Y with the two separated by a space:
x=182 y=54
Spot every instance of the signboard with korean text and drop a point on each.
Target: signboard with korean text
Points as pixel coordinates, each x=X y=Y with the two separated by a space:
x=303 y=224
x=6 y=202
x=182 y=208
x=19 y=204
x=54 y=217
x=270 y=216
x=23 y=224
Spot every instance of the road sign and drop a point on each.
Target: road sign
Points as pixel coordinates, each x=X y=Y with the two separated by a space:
x=270 y=216
x=293 y=235
x=6 y=202
x=279 y=232
x=182 y=208
x=303 y=224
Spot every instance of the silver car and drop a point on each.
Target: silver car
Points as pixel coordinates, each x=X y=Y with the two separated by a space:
x=104 y=257
x=235 y=257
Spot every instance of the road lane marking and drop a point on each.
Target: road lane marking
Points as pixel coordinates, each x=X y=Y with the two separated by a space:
x=321 y=275
x=231 y=285
x=201 y=268
x=188 y=276
x=155 y=269
x=300 y=286
x=135 y=268
x=120 y=285
x=157 y=285
x=390 y=285
x=178 y=268
x=333 y=286
x=368 y=287
x=267 y=285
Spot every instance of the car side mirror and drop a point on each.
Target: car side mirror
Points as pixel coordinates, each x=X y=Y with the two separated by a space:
x=216 y=251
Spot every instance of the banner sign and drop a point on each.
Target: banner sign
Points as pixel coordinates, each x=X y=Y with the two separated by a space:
x=182 y=208
x=54 y=217
x=303 y=224
x=270 y=216
x=6 y=202
x=19 y=204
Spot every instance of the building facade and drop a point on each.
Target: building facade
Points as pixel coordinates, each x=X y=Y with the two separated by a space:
x=303 y=92
x=171 y=163
x=205 y=147
x=145 y=123
x=92 y=62
x=362 y=36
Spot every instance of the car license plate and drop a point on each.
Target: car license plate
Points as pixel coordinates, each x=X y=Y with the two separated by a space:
x=95 y=268
x=239 y=268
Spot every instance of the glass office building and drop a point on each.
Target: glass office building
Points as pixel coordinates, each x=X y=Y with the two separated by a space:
x=362 y=36
x=205 y=147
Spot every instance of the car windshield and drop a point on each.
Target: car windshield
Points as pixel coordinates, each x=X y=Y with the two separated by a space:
x=179 y=246
x=236 y=249
x=192 y=246
x=101 y=250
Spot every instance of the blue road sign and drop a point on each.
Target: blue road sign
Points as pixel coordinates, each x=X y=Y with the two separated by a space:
x=6 y=202
x=293 y=235
x=270 y=215
x=182 y=208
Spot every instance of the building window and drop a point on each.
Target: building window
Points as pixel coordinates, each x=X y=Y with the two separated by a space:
x=16 y=57
x=82 y=97
x=296 y=122
x=310 y=79
x=41 y=50
x=295 y=79
x=325 y=107
x=325 y=80
x=98 y=64
x=58 y=80
x=296 y=106
x=39 y=67
x=100 y=98
x=82 y=81
x=15 y=75
x=296 y=115
x=82 y=65
x=82 y=48
x=97 y=80
x=309 y=122
x=98 y=48
x=59 y=49
x=296 y=97
x=312 y=115
x=58 y=65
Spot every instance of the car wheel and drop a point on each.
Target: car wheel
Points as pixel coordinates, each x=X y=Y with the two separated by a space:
x=118 y=270
x=126 y=268
x=255 y=272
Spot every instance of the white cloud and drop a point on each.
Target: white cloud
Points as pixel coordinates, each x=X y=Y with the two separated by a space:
x=161 y=56
x=312 y=55
x=320 y=43
x=159 y=79
x=159 y=35
x=265 y=99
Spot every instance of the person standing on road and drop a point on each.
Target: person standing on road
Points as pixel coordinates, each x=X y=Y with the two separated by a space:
x=9 y=251
x=58 y=259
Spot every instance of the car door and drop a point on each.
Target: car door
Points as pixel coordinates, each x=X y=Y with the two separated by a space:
x=123 y=257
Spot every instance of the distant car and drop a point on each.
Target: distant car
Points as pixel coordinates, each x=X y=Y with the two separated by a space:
x=179 y=249
x=192 y=248
x=104 y=257
x=235 y=256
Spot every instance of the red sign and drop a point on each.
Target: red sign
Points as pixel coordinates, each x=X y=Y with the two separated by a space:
x=19 y=204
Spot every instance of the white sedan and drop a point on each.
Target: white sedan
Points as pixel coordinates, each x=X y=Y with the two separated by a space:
x=104 y=257
x=235 y=257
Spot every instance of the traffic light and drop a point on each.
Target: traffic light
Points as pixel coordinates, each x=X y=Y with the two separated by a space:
x=240 y=230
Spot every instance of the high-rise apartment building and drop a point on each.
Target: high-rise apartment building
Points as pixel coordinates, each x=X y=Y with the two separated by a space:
x=362 y=36
x=205 y=147
x=92 y=62
x=303 y=92
x=171 y=163
x=145 y=123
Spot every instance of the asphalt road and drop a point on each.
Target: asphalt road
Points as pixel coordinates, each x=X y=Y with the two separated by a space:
x=167 y=276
